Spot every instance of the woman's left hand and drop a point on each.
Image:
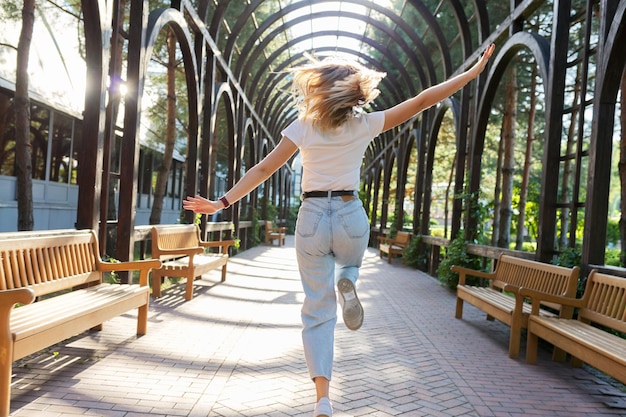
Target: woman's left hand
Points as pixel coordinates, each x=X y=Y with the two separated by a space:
x=484 y=58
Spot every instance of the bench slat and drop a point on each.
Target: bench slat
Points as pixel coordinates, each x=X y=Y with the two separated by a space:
x=35 y=335
x=40 y=315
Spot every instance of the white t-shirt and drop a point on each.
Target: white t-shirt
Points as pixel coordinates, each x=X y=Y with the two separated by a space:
x=332 y=160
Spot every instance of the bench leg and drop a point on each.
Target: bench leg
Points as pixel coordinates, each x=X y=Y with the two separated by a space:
x=142 y=319
x=531 y=347
x=224 y=273
x=156 y=285
x=559 y=355
x=514 y=343
x=575 y=362
x=6 y=371
x=189 y=286
x=459 y=308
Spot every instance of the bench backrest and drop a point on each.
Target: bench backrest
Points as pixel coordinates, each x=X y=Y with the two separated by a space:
x=539 y=276
x=179 y=236
x=48 y=261
x=402 y=238
x=269 y=227
x=605 y=300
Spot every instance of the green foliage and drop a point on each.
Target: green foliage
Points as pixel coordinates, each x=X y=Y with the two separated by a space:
x=12 y=11
x=612 y=232
x=110 y=277
x=414 y=255
x=526 y=246
x=393 y=221
x=612 y=257
x=255 y=238
x=292 y=216
x=456 y=254
x=570 y=258
x=271 y=210
x=480 y=211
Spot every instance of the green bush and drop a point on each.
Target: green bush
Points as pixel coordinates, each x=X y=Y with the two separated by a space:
x=456 y=254
x=569 y=258
x=612 y=257
x=414 y=256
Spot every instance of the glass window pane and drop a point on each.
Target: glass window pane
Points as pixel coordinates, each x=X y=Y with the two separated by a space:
x=39 y=131
x=7 y=135
x=60 y=149
x=76 y=146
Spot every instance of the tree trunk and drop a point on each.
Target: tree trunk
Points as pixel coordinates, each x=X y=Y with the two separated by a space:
x=508 y=162
x=565 y=195
x=622 y=170
x=170 y=133
x=495 y=233
x=519 y=240
x=446 y=209
x=23 y=162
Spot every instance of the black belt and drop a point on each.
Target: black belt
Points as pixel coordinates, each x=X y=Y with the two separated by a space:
x=309 y=194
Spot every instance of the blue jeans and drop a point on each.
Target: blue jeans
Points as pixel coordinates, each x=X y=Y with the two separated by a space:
x=331 y=238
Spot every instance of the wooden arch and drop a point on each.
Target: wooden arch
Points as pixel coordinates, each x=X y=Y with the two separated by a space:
x=540 y=49
x=609 y=74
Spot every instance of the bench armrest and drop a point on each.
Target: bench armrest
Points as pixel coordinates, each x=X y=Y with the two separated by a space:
x=463 y=271
x=537 y=297
x=143 y=266
x=511 y=288
x=8 y=298
x=224 y=244
x=385 y=239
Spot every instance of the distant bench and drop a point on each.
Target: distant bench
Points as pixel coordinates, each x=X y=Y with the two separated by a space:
x=587 y=339
x=183 y=255
x=393 y=246
x=274 y=233
x=510 y=275
x=53 y=264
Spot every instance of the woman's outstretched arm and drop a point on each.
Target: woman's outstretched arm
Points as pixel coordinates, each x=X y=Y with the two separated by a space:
x=433 y=95
x=251 y=179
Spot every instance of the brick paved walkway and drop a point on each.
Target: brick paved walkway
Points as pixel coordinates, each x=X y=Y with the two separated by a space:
x=235 y=350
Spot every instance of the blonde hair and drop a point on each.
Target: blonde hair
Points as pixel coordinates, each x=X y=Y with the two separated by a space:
x=331 y=91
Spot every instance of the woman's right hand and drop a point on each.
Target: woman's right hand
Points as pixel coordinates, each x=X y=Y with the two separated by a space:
x=202 y=205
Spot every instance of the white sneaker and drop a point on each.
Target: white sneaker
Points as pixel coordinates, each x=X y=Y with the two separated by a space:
x=323 y=408
x=350 y=304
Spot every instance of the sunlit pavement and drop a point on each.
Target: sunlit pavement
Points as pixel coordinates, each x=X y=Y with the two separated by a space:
x=235 y=350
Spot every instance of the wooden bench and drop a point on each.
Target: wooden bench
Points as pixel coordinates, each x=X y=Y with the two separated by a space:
x=510 y=275
x=601 y=308
x=273 y=233
x=53 y=264
x=183 y=255
x=393 y=246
